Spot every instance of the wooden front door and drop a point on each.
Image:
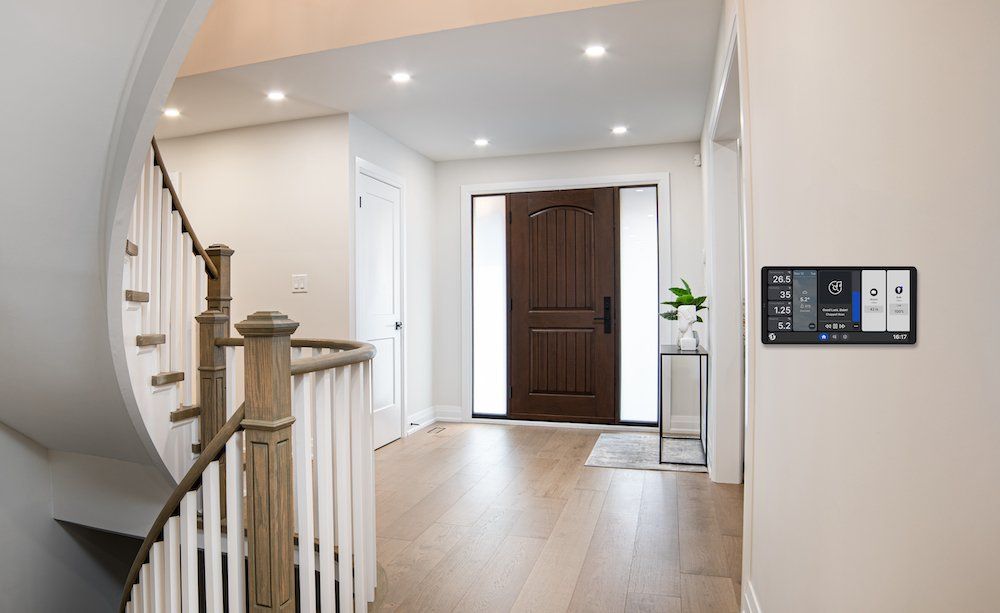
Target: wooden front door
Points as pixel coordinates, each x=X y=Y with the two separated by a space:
x=561 y=276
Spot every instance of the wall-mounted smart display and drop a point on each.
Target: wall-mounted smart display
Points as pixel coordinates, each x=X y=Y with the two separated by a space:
x=839 y=305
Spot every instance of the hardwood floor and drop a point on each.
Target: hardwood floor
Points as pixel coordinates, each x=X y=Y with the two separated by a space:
x=481 y=517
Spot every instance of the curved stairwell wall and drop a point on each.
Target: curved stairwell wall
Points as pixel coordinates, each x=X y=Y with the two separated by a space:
x=90 y=78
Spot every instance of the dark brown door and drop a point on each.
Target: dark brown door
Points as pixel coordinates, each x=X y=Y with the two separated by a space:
x=561 y=278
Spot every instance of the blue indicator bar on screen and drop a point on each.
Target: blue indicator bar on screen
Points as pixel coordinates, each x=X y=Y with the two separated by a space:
x=856 y=306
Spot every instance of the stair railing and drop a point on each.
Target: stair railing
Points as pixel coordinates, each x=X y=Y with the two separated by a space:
x=306 y=433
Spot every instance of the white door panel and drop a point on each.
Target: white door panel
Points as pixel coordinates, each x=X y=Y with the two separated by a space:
x=379 y=286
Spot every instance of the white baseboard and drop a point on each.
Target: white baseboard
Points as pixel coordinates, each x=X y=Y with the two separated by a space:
x=448 y=413
x=421 y=419
x=750 y=602
x=684 y=425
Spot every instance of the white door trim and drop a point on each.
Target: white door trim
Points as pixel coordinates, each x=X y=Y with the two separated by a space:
x=736 y=50
x=660 y=179
x=374 y=171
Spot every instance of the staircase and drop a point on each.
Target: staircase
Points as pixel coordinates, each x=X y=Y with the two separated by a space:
x=274 y=506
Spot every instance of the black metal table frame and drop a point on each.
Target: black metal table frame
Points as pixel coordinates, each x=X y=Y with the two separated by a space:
x=674 y=350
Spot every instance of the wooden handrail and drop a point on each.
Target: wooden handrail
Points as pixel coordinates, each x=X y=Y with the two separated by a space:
x=349 y=352
x=185 y=222
x=210 y=453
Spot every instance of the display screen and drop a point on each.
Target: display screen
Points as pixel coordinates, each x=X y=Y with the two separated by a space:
x=837 y=305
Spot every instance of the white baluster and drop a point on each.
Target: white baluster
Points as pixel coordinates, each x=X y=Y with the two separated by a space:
x=137 y=595
x=172 y=559
x=159 y=578
x=342 y=425
x=189 y=553
x=187 y=326
x=302 y=429
x=361 y=445
x=211 y=498
x=146 y=580
x=140 y=228
x=155 y=234
x=234 y=521
x=177 y=298
x=166 y=267
x=328 y=522
x=366 y=368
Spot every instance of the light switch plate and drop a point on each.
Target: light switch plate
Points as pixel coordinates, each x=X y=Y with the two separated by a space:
x=300 y=284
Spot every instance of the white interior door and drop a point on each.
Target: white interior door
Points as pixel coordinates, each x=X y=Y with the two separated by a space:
x=379 y=292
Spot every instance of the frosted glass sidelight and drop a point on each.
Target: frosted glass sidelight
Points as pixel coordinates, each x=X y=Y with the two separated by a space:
x=639 y=309
x=489 y=300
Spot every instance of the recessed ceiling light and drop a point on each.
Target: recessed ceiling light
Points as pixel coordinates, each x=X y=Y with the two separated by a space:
x=275 y=95
x=619 y=130
x=595 y=51
x=401 y=77
x=482 y=142
x=171 y=113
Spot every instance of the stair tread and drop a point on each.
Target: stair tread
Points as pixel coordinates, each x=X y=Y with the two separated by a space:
x=185 y=412
x=132 y=295
x=165 y=378
x=131 y=248
x=146 y=340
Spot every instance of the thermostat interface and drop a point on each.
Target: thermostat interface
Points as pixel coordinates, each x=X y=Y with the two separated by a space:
x=839 y=305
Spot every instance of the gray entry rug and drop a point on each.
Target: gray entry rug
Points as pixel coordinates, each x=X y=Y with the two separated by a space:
x=638 y=451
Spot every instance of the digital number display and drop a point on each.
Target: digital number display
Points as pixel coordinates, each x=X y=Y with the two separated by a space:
x=838 y=305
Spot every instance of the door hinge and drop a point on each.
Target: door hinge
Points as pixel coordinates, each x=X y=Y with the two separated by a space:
x=510 y=391
x=510 y=217
x=359 y=202
x=510 y=305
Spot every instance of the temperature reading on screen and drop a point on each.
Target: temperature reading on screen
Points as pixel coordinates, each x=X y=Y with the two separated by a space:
x=831 y=305
x=781 y=277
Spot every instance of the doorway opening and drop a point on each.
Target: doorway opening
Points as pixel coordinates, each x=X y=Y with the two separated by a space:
x=564 y=309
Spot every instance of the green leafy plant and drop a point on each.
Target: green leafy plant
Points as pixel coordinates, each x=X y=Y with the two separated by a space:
x=683 y=297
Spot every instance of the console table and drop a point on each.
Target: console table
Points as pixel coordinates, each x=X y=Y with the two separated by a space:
x=699 y=353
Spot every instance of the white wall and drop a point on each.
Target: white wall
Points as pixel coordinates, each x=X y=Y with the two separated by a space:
x=278 y=195
x=873 y=140
x=419 y=234
x=686 y=248
x=47 y=565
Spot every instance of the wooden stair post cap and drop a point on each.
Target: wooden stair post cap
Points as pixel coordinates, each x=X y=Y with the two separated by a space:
x=267 y=323
x=212 y=316
x=219 y=249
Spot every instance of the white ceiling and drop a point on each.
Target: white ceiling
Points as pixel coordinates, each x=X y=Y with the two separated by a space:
x=524 y=84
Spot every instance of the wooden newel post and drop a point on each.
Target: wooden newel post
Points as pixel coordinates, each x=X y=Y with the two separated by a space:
x=268 y=431
x=219 y=290
x=212 y=372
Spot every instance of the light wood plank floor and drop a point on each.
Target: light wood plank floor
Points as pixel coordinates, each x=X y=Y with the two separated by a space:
x=479 y=517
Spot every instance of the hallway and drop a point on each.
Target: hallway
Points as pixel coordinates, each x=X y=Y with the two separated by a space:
x=482 y=517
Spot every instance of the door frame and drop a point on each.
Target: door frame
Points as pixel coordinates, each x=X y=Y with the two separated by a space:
x=363 y=167
x=662 y=182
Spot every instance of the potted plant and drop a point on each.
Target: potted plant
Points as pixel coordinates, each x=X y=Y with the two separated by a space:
x=686 y=306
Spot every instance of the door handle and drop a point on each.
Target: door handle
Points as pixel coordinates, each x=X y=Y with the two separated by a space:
x=399 y=325
x=606 y=318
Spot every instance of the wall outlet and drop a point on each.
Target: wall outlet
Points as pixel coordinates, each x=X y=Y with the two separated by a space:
x=300 y=284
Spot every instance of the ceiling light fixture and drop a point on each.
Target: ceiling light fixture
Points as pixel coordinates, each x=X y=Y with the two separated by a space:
x=595 y=51
x=401 y=77
x=275 y=95
x=482 y=142
x=619 y=130
x=171 y=112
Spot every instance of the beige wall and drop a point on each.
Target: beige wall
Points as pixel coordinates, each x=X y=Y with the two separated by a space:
x=278 y=195
x=873 y=131
x=239 y=32
x=281 y=195
x=686 y=225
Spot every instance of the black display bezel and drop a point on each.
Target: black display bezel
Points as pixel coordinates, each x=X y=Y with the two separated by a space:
x=852 y=337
